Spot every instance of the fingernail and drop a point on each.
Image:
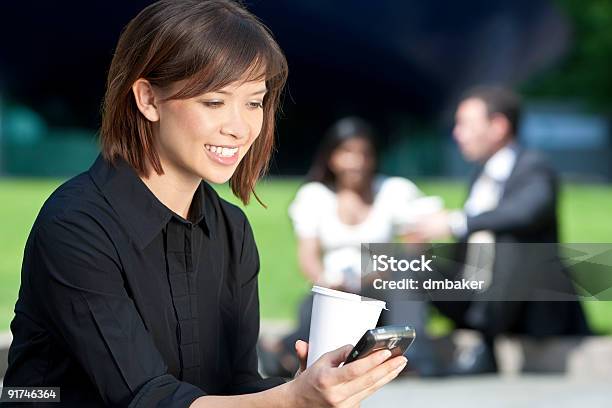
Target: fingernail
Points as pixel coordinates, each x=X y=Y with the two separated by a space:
x=385 y=354
x=402 y=363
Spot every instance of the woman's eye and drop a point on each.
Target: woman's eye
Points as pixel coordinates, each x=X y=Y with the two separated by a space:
x=256 y=105
x=213 y=104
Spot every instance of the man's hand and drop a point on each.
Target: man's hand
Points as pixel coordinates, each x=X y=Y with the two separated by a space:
x=432 y=227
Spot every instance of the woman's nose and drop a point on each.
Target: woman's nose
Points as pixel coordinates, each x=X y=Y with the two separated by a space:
x=235 y=124
x=355 y=161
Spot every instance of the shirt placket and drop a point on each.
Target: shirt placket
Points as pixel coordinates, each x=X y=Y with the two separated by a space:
x=182 y=279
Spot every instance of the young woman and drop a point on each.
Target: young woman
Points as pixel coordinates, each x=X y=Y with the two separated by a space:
x=139 y=284
x=343 y=204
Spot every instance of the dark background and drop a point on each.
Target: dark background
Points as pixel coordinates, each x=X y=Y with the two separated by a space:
x=400 y=64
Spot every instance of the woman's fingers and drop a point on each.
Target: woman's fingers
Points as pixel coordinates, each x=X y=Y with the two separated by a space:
x=336 y=357
x=301 y=349
x=346 y=386
x=359 y=396
x=380 y=374
x=360 y=367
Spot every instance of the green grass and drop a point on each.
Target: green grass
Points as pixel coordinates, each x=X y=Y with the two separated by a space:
x=584 y=213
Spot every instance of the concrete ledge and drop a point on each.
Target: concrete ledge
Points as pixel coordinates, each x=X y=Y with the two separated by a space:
x=580 y=357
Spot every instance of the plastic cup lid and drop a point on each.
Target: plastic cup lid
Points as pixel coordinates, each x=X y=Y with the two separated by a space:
x=348 y=296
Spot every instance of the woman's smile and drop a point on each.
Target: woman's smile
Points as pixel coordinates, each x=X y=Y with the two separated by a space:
x=225 y=155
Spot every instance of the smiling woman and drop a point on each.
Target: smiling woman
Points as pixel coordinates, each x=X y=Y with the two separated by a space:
x=205 y=137
x=211 y=68
x=139 y=284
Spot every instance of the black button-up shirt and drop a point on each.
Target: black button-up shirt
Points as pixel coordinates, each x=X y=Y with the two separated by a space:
x=122 y=301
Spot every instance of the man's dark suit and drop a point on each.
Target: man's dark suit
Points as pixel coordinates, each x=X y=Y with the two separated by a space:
x=526 y=213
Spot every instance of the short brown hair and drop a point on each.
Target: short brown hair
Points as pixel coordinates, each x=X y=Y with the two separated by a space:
x=209 y=44
x=498 y=100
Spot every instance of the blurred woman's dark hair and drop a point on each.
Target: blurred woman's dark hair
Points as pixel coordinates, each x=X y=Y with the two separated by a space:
x=343 y=130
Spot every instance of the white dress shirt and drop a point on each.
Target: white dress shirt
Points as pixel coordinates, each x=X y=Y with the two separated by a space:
x=487 y=189
x=484 y=196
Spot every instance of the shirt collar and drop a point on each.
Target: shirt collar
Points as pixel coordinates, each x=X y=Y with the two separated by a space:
x=138 y=207
x=500 y=165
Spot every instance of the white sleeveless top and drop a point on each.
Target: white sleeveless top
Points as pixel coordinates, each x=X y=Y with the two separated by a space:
x=314 y=213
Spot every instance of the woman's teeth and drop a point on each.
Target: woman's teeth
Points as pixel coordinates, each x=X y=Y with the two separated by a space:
x=222 y=151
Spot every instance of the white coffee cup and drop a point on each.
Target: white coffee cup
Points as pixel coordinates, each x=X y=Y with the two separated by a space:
x=339 y=318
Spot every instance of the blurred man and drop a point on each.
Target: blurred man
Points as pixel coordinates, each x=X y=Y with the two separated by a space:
x=512 y=199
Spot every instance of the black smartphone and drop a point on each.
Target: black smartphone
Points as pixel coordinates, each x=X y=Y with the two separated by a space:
x=397 y=339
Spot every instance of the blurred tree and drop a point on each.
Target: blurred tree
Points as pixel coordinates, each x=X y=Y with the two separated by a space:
x=586 y=71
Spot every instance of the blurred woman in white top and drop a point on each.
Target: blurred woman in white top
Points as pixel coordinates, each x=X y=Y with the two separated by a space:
x=343 y=204
x=346 y=203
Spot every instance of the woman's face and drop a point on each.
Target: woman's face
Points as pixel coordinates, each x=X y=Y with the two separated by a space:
x=352 y=162
x=207 y=136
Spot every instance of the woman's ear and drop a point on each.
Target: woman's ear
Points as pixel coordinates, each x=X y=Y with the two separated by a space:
x=145 y=99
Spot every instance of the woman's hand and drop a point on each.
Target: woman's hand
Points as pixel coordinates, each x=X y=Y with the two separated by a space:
x=301 y=349
x=324 y=384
